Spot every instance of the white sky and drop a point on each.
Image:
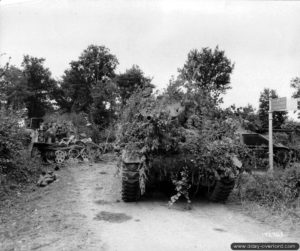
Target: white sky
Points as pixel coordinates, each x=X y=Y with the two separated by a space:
x=261 y=37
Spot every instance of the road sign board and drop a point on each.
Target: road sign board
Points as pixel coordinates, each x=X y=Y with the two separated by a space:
x=285 y=104
x=279 y=104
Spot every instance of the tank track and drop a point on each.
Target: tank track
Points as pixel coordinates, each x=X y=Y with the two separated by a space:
x=130 y=184
x=221 y=191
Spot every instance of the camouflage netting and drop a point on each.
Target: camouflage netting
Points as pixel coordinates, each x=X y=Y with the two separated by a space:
x=184 y=134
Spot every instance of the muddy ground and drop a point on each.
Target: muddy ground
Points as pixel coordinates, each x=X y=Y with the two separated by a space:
x=83 y=210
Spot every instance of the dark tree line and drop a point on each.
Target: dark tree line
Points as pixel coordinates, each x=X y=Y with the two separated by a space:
x=89 y=85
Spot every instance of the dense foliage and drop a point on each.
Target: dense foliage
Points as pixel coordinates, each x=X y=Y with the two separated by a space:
x=89 y=86
x=246 y=115
x=16 y=163
x=130 y=81
x=86 y=73
x=209 y=69
x=11 y=138
x=277 y=191
x=29 y=87
x=295 y=84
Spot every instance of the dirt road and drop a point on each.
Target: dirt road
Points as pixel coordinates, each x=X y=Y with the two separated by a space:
x=83 y=211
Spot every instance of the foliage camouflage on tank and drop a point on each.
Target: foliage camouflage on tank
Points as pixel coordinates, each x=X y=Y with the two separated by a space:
x=181 y=136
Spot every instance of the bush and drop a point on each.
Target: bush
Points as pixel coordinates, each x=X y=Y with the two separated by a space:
x=291 y=178
x=16 y=164
x=12 y=138
x=278 y=191
x=102 y=136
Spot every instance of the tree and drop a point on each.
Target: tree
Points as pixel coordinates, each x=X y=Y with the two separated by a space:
x=39 y=85
x=94 y=64
x=74 y=94
x=247 y=116
x=132 y=80
x=104 y=108
x=278 y=117
x=207 y=71
x=30 y=87
x=295 y=84
x=3 y=70
x=15 y=88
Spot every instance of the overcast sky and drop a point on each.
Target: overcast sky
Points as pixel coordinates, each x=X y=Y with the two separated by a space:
x=262 y=38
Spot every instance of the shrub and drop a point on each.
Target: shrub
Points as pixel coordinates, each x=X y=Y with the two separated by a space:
x=105 y=135
x=12 y=138
x=16 y=164
x=277 y=191
x=291 y=178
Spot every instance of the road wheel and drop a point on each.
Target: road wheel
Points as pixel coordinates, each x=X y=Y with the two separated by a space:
x=59 y=156
x=130 y=183
x=221 y=190
x=73 y=153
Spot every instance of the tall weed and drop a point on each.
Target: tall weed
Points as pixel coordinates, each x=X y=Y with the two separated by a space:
x=277 y=191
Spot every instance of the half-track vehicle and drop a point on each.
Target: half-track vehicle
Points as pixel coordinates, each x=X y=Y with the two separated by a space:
x=259 y=145
x=57 y=143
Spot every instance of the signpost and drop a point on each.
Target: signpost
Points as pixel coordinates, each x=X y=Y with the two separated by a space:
x=279 y=105
x=271 y=135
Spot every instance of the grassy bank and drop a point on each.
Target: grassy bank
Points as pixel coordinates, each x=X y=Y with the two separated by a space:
x=273 y=199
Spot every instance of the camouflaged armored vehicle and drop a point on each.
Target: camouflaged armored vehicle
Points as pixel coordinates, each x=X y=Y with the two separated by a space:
x=161 y=139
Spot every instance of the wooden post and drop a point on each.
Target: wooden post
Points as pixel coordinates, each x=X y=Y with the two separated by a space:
x=271 y=167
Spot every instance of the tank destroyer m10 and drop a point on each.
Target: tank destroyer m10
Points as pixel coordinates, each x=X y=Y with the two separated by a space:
x=178 y=139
